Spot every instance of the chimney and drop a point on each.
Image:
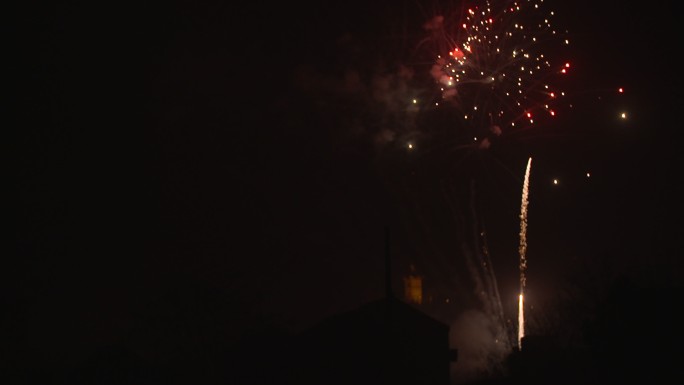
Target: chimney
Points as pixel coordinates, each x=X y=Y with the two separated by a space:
x=388 y=266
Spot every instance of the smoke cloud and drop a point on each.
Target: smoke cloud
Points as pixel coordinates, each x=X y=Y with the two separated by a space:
x=481 y=351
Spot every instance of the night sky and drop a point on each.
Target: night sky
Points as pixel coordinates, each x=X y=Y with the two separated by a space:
x=193 y=171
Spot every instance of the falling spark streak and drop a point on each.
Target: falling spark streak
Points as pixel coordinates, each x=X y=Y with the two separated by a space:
x=523 y=250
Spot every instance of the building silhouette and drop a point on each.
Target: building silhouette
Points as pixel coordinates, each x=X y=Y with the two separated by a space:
x=386 y=341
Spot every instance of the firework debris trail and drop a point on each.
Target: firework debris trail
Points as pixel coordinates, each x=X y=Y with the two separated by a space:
x=493 y=303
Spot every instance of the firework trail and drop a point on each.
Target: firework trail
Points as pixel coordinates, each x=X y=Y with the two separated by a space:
x=523 y=250
x=486 y=324
x=494 y=306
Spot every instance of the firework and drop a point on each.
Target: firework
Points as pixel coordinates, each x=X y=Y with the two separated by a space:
x=523 y=251
x=497 y=66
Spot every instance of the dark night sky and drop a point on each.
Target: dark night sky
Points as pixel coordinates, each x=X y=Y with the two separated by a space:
x=190 y=164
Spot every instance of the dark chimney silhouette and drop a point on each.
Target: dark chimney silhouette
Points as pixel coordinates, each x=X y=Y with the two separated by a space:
x=388 y=265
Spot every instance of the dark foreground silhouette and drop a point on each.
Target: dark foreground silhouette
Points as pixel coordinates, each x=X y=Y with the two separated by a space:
x=633 y=337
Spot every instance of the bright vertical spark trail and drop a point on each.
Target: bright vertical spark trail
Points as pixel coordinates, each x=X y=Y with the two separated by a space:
x=521 y=321
x=522 y=249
